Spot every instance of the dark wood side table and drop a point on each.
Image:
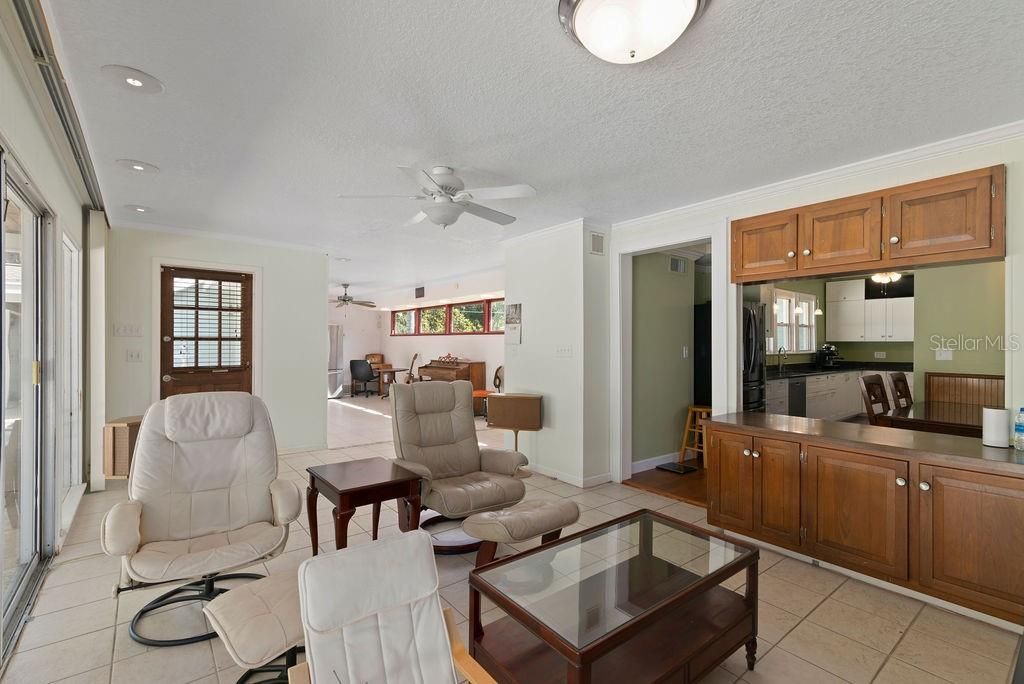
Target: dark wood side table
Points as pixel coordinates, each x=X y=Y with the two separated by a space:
x=350 y=484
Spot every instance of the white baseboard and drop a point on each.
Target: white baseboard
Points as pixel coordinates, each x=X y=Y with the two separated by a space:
x=595 y=480
x=654 y=461
x=574 y=480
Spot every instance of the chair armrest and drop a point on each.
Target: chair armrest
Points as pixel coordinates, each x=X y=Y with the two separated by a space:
x=423 y=471
x=287 y=501
x=502 y=462
x=464 y=663
x=120 y=533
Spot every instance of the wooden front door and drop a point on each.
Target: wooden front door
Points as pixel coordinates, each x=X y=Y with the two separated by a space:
x=972 y=540
x=841 y=232
x=764 y=245
x=857 y=510
x=777 y=491
x=732 y=480
x=946 y=215
x=205 y=331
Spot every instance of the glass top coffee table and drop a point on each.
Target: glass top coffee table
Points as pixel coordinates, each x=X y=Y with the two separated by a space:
x=635 y=599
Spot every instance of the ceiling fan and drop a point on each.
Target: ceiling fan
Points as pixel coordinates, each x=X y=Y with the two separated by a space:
x=346 y=299
x=449 y=198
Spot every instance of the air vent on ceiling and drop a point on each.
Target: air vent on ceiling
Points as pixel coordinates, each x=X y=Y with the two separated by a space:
x=677 y=265
x=419 y=293
x=597 y=243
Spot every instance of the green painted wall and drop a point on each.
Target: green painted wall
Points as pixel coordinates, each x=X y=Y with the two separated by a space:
x=959 y=300
x=895 y=352
x=662 y=378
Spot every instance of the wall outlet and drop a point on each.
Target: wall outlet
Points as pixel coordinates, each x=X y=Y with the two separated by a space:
x=563 y=351
x=134 y=356
x=879 y=355
x=943 y=354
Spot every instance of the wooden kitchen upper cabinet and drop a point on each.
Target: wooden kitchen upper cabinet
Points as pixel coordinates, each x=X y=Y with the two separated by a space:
x=857 y=510
x=967 y=519
x=954 y=218
x=947 y=216
x=731 y=481
x=777 y=491
x=765 y=245
x=840 y=233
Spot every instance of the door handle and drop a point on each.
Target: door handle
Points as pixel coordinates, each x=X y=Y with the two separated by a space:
x=167 y=338
x=901 y=482
x=167 y=378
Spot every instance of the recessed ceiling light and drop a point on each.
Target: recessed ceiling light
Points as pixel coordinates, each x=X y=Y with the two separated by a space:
x=138 y=208
x=627 y=31
x=132 y=79
x=137 y=166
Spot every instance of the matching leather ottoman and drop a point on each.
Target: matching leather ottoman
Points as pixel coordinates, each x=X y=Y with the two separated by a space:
x=524 y=521
x=259 y=622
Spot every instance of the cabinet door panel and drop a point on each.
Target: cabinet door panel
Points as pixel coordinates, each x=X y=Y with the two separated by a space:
x=841 y=232
x=900 y=319
x=857 y=513
x=972 y=539
x=945 y=215
x=875 y=315
x=762 y=245
x=777 y=491
x=732 y=491
x=844 y=321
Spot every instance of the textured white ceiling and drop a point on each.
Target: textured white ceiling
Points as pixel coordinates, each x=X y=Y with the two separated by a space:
x=273 y=108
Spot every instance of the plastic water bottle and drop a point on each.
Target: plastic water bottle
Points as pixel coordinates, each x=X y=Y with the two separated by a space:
x=1018 y=431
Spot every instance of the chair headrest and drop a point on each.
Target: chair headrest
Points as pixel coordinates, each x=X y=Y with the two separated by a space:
x=208 y=415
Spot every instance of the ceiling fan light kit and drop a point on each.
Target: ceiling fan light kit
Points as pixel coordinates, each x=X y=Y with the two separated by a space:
x=627 y=31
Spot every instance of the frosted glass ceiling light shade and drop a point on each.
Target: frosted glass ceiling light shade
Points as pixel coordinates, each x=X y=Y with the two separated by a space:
x=627 y=31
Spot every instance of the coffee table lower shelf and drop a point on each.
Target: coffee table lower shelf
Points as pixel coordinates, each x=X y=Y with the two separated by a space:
x=680 y=647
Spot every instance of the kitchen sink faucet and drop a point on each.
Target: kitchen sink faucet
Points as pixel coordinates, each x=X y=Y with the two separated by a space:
x=783 y=357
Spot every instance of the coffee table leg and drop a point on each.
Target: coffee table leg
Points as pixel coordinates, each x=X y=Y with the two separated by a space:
x=750 y=598
x=476 y=629
x=414 y=508
x=311 y=495
x=376 y=519
x=341 y=518
x=578 y=674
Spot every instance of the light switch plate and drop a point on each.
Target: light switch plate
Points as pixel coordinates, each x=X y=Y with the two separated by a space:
x=943 y=354
x=879 y=355
x=563 y=351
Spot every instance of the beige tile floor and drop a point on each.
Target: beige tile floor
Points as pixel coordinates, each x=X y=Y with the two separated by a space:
x=815 y=625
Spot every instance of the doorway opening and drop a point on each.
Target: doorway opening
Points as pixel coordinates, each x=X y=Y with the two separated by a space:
x=672 y=348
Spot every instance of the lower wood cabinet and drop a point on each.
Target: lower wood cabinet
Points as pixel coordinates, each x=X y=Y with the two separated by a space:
x=857 y=510
x=972 y=535
x=754 y=486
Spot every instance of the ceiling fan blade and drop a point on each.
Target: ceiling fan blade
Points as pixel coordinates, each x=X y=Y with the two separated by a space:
x=492 y=215
x=361 y=302
x=361 y=197
x=502 y=192
x=418 y=218
x=423 y=179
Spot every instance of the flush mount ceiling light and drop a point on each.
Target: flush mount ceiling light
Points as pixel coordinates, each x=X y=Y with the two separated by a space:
x=132 y=79
x=137 y=166
x=138 y=208
x=627 y=31
x=886 y=278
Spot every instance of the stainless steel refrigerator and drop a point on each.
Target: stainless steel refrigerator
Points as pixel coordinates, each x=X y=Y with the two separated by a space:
x=754 y=369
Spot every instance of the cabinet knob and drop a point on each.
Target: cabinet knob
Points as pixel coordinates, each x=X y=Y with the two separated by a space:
x=894 y=240
x=790 y=254
x=901 y=482
x=746 y=452
x=807 y=252
x=756 y=454
x=924 y=486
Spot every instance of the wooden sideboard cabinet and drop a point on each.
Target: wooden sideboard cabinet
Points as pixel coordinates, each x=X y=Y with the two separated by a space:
x=940 y=514
x=954 y=218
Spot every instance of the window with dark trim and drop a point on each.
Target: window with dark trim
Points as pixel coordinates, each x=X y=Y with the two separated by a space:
x=482 y=317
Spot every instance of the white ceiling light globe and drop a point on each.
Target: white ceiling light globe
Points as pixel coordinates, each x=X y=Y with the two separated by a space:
x=629 y=31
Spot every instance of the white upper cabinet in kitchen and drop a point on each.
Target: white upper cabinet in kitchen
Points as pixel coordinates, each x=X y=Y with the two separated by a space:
x=844 y=290
x=844 y=321
x=900 y=319
x=875 y=320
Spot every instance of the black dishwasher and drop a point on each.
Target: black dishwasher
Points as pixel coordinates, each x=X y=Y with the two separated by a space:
x=798 y=396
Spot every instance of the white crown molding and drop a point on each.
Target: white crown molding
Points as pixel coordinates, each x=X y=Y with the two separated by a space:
x=576 y=224
x=943 y=148
x=213 y=235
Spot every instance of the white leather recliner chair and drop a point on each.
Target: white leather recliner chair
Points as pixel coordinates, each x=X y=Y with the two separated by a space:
x=204 y=499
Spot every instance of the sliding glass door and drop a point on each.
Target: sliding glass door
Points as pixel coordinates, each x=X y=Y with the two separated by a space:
x=19 y=399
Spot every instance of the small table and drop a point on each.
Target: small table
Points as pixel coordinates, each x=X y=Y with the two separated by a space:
x=385 y=384
x=943 y=417
x=350 y=484
x=635 y=599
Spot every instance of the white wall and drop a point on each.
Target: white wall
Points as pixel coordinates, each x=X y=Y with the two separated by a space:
x=290 y=324
x=361 y=329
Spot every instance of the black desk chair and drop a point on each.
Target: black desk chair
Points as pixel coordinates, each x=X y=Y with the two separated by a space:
x=362 y=374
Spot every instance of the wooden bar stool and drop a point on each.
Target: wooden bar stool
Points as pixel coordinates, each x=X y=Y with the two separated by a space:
x=693 y=440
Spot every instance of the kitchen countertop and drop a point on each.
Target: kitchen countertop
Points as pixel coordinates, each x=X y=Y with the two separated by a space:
x=912 y=443
x=801 y=370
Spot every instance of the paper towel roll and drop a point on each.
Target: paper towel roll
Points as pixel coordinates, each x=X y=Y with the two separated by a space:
x=995 y=427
